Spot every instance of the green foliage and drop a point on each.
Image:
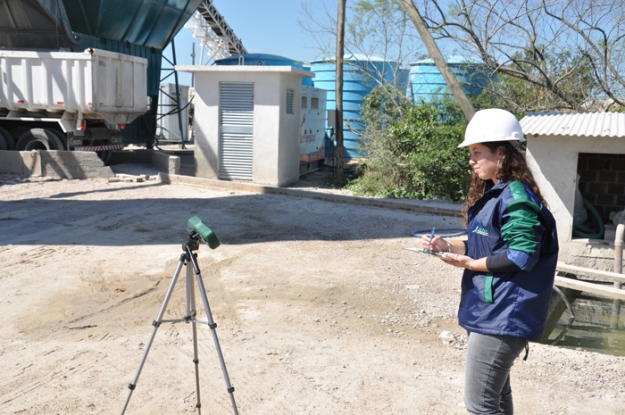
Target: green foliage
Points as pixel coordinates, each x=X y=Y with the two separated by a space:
x=616 y=108
x=412 y=149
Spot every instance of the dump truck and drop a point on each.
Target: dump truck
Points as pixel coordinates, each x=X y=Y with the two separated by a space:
x=73 y=73
x=78 y=101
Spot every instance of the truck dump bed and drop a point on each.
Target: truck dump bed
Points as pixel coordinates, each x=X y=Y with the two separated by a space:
x=94 y=84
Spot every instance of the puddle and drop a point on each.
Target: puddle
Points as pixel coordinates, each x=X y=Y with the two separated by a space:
x=598 y=326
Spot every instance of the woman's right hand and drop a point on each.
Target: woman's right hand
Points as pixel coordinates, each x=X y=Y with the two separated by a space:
x=437 y=244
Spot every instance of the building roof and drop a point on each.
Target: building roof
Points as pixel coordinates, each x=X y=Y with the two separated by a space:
x=245 y=68
x=598 y=124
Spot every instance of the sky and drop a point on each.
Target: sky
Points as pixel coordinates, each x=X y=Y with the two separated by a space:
x=269 y=26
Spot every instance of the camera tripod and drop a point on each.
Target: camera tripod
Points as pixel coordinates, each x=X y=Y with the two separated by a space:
x=188 y=259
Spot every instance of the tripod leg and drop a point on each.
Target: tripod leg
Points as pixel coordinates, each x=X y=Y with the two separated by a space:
x=156 y=324
x=191 y=313
x=213 y=326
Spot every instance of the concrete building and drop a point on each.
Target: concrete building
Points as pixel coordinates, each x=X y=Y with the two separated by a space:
x=562 y=146
x=247 y=122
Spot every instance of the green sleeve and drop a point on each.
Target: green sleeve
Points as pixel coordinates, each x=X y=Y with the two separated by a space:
x=522 y=220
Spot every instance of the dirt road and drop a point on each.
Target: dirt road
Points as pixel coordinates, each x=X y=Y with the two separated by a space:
x=319 y=308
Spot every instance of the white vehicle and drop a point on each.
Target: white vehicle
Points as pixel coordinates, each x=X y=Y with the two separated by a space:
x=78 y=101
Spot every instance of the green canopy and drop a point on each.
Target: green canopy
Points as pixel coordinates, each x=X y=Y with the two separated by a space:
x=34 y=24
x=148 y=23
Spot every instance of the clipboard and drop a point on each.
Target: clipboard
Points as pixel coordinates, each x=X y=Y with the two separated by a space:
x=429 y=252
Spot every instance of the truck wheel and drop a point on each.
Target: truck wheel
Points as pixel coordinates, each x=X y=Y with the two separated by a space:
x=7 y=142
x=105 y=156
x=59 y=136
x=39 y=139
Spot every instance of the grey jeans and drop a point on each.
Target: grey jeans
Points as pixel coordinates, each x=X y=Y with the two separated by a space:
x=487 y=378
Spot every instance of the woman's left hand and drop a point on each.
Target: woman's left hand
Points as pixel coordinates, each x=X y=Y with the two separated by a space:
x=458 y=260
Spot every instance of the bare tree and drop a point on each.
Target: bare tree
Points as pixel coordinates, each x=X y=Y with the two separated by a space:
x=600 y=30
x=550 y=44
x=439 y=60
x=376 y=30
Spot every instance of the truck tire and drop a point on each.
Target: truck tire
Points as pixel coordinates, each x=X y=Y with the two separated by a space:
x=105 y=156
x=60 y=136
x=7 y=142
x=39 y=139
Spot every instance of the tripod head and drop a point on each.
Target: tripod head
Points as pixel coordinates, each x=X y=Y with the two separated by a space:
x=198 y=232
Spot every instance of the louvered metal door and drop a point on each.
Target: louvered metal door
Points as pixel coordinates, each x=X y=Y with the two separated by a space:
x=236 y=116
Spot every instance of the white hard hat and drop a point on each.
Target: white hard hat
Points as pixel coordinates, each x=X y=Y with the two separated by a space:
x=492 y=125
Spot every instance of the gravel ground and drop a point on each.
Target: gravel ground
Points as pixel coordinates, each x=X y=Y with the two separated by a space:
x=320 y=309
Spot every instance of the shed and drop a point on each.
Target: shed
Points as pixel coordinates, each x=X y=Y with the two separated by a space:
x=562 y=146
x=247 y=122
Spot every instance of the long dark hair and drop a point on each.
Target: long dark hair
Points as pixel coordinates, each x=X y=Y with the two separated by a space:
x=512 y=167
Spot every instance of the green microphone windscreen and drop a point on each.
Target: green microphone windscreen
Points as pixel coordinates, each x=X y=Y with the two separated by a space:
x=204 y=231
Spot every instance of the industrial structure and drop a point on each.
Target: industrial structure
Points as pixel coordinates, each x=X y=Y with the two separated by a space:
x=56 y=96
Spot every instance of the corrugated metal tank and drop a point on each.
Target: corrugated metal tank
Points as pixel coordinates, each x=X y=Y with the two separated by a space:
x=427 y=83
x=360 y=76
x=254 y=59
x=267 y=59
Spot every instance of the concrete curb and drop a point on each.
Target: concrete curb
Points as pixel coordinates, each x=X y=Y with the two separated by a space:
x=79 y=164
x=416 y=206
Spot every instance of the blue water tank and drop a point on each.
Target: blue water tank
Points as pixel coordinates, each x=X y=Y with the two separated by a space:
x=259 y=59
x=360 y=75
x=427 y=83
x=266 y=59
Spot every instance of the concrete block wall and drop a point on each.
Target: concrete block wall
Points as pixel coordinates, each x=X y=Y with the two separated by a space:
x=54 y=164
x=73 y=165
x=24 y=163
x=602 y=181
x=79 y=164
x=588 y=254
x=165 y=162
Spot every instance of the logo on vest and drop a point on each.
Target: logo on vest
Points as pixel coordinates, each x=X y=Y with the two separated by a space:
x=481 y=231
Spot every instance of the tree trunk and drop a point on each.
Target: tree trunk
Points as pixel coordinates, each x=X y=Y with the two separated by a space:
x=340 y=51
x=439 y=60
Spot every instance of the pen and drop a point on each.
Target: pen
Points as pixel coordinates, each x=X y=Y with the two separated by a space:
x=432 y=235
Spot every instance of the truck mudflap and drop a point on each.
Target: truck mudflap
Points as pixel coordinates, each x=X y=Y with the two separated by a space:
x=100 y=148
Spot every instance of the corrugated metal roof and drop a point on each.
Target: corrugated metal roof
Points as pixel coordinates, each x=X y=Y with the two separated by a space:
x=37 y=24
x=599 y=124
x=148 y=23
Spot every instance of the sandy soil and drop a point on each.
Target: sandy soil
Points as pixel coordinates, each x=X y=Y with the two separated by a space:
x=319 y=308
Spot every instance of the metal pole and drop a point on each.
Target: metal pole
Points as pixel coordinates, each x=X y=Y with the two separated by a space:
x=193 y=63
x=618 y=268
x=212 y=325
x=156 y=324
x=340 y=51
x=173 y=53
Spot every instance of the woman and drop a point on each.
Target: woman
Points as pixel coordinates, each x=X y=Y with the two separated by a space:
x=509 y=259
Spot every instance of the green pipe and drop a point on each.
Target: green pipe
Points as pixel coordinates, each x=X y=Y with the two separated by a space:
x=581 y=231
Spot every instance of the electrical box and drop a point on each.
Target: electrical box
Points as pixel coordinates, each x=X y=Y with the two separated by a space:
x=331 y=118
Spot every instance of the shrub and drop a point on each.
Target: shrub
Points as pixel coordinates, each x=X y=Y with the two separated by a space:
x=412 y=149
